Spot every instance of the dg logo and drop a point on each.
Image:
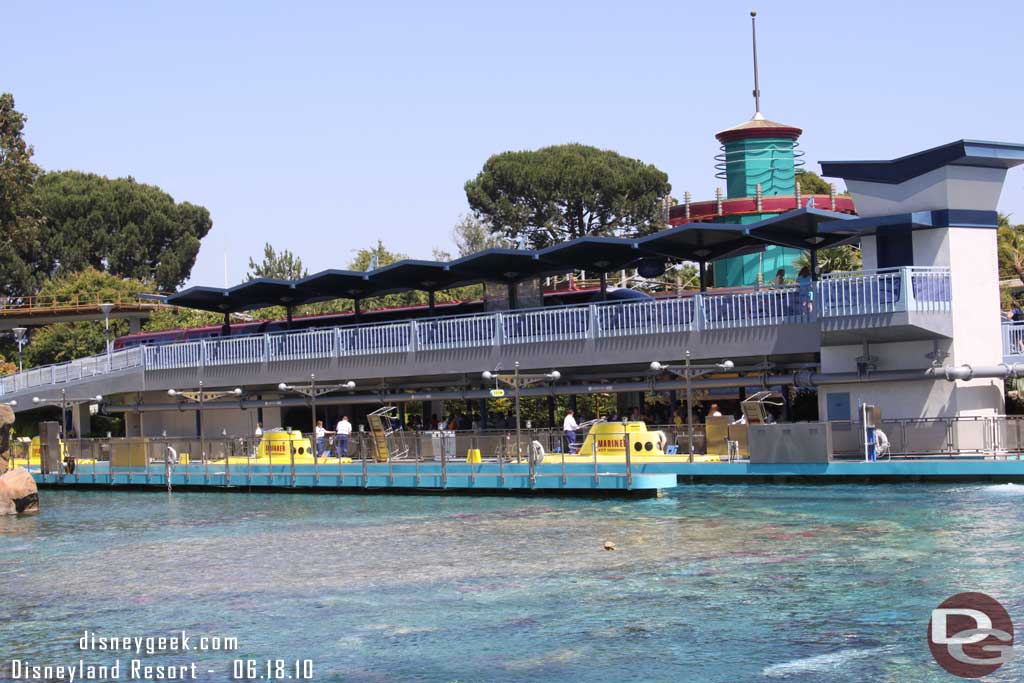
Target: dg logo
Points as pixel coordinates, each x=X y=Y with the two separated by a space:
x=970 y=635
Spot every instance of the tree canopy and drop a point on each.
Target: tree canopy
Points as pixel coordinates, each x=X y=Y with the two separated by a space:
x=18 y=218
x=279 y=266
x=563 y=192
x=811 y=183
x=127 y=228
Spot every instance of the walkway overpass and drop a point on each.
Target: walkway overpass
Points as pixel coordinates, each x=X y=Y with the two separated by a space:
x=36 y=311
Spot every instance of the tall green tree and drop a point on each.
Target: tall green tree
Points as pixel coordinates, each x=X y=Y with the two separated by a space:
x=564 y=192
x=279 y=266
x=126 y=228
x=19 y=220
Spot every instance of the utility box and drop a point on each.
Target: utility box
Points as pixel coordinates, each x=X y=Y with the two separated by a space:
x=801 y=442
x=50 y=448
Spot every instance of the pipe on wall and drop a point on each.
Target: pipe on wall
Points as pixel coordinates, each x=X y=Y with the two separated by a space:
x=800 y=379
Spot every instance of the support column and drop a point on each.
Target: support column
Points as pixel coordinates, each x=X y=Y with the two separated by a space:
x=134 y=325
x=703 y=270
x=81 y=421
x=551 y=411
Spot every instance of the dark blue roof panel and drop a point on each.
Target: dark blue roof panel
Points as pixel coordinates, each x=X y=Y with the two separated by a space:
x=959 y=153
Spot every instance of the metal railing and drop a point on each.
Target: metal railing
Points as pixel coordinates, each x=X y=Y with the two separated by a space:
x=836 y=295
x=1013 y=339
x=997 y=436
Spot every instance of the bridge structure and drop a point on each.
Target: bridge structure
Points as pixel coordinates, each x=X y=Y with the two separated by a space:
x=37 y=311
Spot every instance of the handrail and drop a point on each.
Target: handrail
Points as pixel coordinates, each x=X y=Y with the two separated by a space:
x=908 y=289
x=17 y=305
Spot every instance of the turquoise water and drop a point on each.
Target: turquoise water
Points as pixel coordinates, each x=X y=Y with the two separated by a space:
x=708 y=583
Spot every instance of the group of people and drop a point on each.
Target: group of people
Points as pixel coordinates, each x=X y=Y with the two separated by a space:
x=805 y=285
x=342 y=435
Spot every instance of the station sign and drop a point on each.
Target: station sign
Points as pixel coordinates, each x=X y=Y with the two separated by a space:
x=497 y=393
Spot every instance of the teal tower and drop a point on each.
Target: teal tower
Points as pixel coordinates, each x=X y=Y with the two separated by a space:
x=758 y=160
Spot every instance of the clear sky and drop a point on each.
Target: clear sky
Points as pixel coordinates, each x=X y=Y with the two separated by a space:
x=321 y=127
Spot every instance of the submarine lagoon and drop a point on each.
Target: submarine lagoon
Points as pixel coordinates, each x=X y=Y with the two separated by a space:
x=707 y=583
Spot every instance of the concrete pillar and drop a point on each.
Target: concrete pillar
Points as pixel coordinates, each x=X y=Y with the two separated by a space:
x=81 y=420
x=133 y=424
x=134 y=325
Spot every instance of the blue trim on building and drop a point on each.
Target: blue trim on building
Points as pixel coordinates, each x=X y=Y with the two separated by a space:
x=918 y=220
x=960 y=153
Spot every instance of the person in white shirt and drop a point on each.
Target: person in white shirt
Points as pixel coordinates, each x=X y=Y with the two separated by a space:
x=257 y=437
x=344 y=430
x=569 y=427
x=715 y=412
x=321 y=435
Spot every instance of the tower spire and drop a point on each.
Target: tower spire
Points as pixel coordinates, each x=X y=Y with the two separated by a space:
x=757 y=89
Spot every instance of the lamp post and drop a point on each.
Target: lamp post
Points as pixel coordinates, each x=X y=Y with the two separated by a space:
x=689 y=371
x=20 y=337
x=312 y=390
x=517 y=380
x=201 y=397
x=64 y=402
x=107 y=308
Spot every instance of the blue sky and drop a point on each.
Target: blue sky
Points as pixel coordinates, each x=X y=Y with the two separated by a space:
x=322 y=127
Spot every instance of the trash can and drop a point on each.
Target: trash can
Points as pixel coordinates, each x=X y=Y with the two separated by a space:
x=442 y=444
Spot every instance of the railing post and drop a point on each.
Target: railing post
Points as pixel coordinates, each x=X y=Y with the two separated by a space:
x=592 y=321
x=414 y=333
x=698 y=312
x=499 y=329
x=906 y=302
x=629 y=457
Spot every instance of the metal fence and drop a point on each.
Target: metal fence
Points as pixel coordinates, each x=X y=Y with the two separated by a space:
x=999 y=436
x=839 y=294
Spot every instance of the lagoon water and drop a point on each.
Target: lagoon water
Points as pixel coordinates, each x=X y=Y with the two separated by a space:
x=708 y=583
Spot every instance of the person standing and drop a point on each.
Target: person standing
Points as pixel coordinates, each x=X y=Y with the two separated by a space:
x=257 y=436
x=806 y=286
x=569 y=428
x=321 y=435
x=344 y=430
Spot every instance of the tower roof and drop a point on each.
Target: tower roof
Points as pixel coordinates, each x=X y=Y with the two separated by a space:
x=758 y=127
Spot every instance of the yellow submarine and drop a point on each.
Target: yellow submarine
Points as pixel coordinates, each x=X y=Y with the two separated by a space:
x=608 y=440
x=275 y=448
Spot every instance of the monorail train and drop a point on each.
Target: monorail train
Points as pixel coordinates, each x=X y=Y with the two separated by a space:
x=551 y=298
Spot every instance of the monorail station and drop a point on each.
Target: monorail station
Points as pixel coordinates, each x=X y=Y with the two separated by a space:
x=910 y=349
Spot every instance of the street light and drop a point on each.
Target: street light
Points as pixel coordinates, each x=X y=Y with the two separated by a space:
x=689 y=371
x=64 y=402
x=201 y=397
x=312 y=390
x=517 y=380
x=107 y=308
x=20 y=338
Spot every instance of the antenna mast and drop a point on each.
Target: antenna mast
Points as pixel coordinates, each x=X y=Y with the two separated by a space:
x=757 y=89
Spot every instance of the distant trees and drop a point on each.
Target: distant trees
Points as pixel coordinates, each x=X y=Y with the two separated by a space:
x=57 y=223
x=279 y=266
x=18 y=218
x=118 y=225
x=66 y=341
x=833 y=260
x=559 y=193
x=810 y=182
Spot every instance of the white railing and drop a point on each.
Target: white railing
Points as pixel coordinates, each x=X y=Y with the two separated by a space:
x=1013 y=340
x=754 y=309
x=836 y=295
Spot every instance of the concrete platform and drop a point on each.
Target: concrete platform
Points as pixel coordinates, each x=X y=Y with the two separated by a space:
x=964 y=469
x=424 y=477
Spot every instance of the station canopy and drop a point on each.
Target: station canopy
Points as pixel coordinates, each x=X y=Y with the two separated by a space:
x=701 y=242
x=806 y=228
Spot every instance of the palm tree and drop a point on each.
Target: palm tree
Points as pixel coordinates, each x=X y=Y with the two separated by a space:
x=1010 y=247
x=833 y=260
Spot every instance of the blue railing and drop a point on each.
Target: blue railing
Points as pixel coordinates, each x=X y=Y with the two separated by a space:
x=836 y=295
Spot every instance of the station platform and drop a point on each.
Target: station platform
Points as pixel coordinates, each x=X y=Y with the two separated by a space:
x=958 y=469
x=396 y=477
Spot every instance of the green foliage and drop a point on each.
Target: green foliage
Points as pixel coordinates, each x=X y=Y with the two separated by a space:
x=18 y=218
x=471 y=234
x=563 y=192
x=803 y=405
x=127 y=228
x=811 y=183
x=1010 y=248
x=278 y=266
x=175 y=318
x=833 y=260
x=68 y=341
